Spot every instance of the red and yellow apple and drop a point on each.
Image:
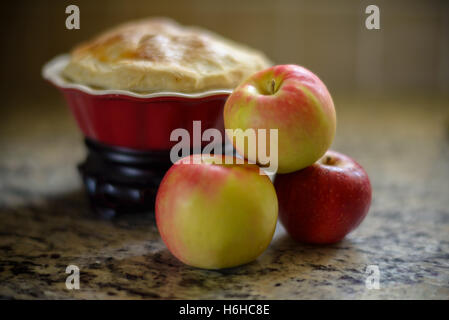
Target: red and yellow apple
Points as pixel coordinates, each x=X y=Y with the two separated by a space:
x=292 y=100
x=324 y=202
x=215 y=215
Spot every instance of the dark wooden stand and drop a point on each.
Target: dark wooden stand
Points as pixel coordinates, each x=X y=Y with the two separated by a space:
x=120 y=180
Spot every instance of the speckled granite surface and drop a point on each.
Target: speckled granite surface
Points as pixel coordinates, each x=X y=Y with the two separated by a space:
x=45 y=222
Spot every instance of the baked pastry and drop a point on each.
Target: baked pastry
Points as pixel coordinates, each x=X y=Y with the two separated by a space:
x=158 y=54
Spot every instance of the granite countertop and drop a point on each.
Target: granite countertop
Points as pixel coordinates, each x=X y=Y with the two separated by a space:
x=46 y=224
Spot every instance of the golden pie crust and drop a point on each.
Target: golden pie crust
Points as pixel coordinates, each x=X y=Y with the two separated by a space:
x=158 y=54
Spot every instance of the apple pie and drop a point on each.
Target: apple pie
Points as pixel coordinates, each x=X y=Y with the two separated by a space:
x=160 y=55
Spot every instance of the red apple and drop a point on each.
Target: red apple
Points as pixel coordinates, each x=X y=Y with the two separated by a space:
x=292 y=100
x=324 y=202
x=214 y=215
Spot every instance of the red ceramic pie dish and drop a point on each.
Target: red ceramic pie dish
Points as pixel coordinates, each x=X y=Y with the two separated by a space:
x=136 y=121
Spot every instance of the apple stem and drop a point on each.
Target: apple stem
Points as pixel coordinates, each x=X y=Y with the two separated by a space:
x=273 y=85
